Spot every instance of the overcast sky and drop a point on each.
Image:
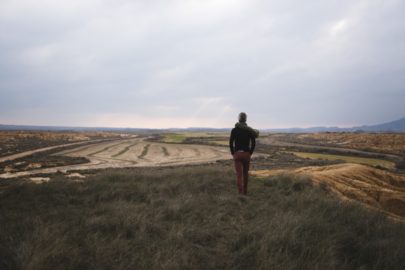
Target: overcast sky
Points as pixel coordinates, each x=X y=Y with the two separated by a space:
x=183 y=63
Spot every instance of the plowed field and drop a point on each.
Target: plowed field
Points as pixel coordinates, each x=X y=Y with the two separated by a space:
x=135 y=153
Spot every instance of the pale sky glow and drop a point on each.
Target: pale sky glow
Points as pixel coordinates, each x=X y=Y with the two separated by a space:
x=189 y=63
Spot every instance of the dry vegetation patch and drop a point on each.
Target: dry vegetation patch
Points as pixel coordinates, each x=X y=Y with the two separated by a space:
x=190 y=218
x=377 y=142
x=349 y=159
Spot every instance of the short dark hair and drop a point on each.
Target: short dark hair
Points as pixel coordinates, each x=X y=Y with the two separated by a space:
x=242 y=117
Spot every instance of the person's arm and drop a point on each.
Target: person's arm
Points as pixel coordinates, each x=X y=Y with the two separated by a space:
x=253 y=144
x=231 y=140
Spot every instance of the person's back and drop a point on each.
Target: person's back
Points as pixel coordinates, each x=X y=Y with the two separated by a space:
x=243 y=140
x=242 y=144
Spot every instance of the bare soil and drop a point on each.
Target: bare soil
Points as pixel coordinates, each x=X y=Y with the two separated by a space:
x=134 y=152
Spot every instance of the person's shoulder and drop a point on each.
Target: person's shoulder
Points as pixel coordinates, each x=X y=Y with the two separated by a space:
x=238 y=130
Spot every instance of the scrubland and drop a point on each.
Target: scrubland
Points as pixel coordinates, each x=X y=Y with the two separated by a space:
x=190 y=217
x=307 y=207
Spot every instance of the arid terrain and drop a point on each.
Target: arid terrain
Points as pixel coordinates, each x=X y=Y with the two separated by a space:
x=370 y=167
x=12 y=142
x=363 y=167
x=380 y=189
x=113 y=153
x=391 y=143
x=169 y=201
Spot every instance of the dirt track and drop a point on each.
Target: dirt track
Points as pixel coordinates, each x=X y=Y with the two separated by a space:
x=134 y=153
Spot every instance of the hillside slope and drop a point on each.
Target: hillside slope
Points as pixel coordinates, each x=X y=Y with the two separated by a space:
x=379 y=189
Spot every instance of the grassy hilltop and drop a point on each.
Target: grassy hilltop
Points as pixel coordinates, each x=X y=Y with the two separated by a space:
x=190 y=218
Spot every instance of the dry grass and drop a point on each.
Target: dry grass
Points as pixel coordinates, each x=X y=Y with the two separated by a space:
x=190 y=218
x=379 y=189
x=378 y=142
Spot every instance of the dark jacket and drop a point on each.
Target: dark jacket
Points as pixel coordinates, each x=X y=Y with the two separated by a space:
x=242 y=140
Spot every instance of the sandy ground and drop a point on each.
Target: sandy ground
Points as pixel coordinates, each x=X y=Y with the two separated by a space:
x=133 y=153
x=376 y=188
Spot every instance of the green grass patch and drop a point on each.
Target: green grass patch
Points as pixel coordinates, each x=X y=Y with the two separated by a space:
x=348 y=159
x=181 y=137
x=190 y=218
x=174 y=138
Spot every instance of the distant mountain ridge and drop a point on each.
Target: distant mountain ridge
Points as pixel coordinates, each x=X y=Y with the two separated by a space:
x=393 y=126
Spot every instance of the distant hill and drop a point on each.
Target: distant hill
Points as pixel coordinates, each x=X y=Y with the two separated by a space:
x=394 y=126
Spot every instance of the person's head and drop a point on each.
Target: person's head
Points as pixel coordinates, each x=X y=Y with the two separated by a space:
x=242 y=117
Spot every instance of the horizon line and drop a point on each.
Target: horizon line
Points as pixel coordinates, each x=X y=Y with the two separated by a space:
x=168 y=128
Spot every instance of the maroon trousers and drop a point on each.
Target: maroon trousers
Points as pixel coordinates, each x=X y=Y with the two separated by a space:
x=242 y=161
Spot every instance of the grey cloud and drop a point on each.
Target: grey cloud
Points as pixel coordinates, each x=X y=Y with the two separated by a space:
x=284 y=62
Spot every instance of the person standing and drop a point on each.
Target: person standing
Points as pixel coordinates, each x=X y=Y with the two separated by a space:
x=242 y=143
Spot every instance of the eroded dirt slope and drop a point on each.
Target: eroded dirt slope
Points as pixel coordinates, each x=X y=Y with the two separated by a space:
x=376 y=188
